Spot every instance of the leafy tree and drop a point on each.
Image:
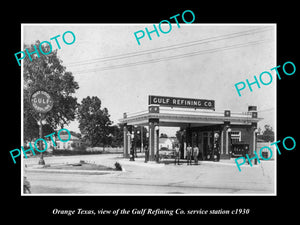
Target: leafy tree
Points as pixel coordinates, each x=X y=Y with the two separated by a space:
x=268 y=133
x=259 y=130
x=47 y=72
x=138 y=136
x=116 y=136
x=94 y=122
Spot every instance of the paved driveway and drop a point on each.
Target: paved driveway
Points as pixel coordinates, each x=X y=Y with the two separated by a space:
x=142 y=178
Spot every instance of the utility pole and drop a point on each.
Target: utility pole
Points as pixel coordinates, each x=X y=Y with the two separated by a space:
x=41 y=102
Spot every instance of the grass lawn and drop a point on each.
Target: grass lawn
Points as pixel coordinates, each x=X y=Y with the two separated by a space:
x=80 y=166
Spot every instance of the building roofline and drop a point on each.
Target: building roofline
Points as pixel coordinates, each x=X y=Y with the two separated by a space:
x=185 y=116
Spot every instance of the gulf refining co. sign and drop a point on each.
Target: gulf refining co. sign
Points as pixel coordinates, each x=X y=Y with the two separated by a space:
x=181 y=102
x=41 y=101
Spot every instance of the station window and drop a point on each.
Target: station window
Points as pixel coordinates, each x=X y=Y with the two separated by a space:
x=235 y=136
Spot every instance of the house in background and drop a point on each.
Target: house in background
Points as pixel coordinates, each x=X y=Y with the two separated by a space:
x=73 y=144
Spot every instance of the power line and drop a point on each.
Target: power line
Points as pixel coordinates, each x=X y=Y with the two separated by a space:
x=170 y=47
x=173 y=57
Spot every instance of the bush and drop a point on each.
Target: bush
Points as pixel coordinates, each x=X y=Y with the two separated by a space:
x=73 y=152
x=118 y=166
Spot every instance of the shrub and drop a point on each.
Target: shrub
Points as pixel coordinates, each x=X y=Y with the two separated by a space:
x=118 y=166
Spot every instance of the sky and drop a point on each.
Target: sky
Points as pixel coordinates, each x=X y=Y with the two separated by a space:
x=207 y=69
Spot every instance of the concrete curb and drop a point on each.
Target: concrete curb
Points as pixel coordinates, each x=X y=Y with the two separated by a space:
x=226 y=164
x=140 y=163
x=89 y=172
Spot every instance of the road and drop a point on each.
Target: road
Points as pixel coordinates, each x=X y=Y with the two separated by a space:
x=140 y=179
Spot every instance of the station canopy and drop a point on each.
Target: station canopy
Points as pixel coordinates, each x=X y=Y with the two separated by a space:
x=181 y=112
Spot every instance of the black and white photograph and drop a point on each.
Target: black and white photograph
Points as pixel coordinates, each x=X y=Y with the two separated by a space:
x=138 y=111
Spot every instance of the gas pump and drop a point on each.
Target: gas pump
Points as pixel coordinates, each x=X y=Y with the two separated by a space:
x=216 y=147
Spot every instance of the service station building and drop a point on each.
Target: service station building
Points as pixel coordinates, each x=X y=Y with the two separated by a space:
x=199 y=123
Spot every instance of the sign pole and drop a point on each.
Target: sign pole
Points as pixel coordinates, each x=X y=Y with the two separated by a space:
x=41 y=161
x=42 y=103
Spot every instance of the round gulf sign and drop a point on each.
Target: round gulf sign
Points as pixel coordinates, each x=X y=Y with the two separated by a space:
x=41 y=101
